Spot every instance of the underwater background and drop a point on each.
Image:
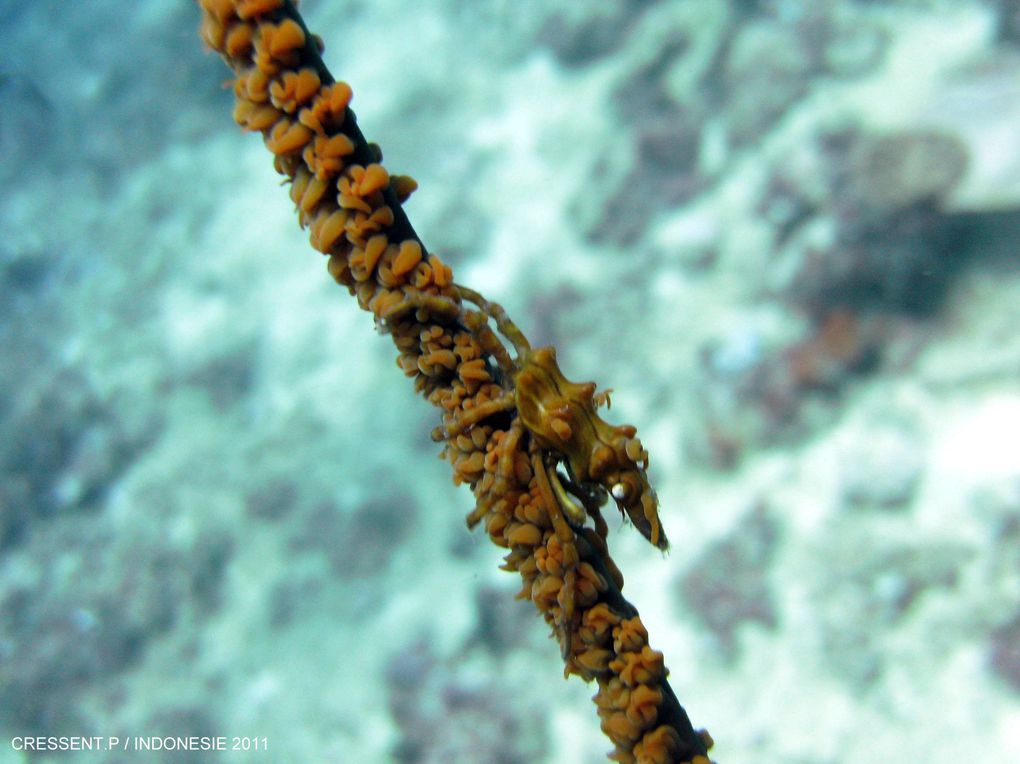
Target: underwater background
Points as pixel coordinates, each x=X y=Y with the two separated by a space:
x=785 y=233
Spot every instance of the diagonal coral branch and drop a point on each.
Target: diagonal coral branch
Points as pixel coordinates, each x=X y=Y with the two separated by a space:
x=530 y=443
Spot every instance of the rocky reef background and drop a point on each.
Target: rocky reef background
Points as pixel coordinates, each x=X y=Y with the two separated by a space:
x=785 y=234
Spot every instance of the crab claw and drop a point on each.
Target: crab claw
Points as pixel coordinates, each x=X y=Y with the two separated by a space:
x=636 y=498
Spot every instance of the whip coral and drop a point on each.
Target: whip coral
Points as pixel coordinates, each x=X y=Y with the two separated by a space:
x=539 y=459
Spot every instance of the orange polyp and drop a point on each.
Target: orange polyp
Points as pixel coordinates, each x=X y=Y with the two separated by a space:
x=380 y=218
x=288 y=137
x=256 y=85
x=350 y=184
x=311 y=155
x=441 y=274
x=473 y=371
x=613 y=696
x=313 y=193
x=329 y=107
x=248 y=8
x=285 y=38
x=362 y=224
x=407 y=258
x=212 y=32
x=480 y=437
x=661 y=747
x=338 y=269
x=524 y=534
x=263 y=59
x=374 y=178
x=364 y=293
x=353 y=203
x=323 y=155
x=545 y=590
x=643 y=706
x=242 y=111
x=242 y=86
x=371 y=261
x=630 y=635
x=221 y=9
x=306 y=84
x=329 y=230
x=594 y=660
x=338 y=96
x=706 y=739
x=263 y=117
x=589 y=574
x=281 y=91
x=338 y=146
x=357 y=261
x=239 y=39
x=299 y=184
x=383 y=301
x=601 y=619
x=384 y=273
x=403 y=186
x=374 y=249
x=310 y=118
x=620 y=729
x=471 y=465
x=421 y=277
x=645 y=667
x=444 y=358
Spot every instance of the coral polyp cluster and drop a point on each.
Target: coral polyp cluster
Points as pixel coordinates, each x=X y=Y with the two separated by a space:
x=344 y=195
x=539 y=459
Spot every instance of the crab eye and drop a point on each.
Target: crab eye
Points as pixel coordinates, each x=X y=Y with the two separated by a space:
x=620 y=491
